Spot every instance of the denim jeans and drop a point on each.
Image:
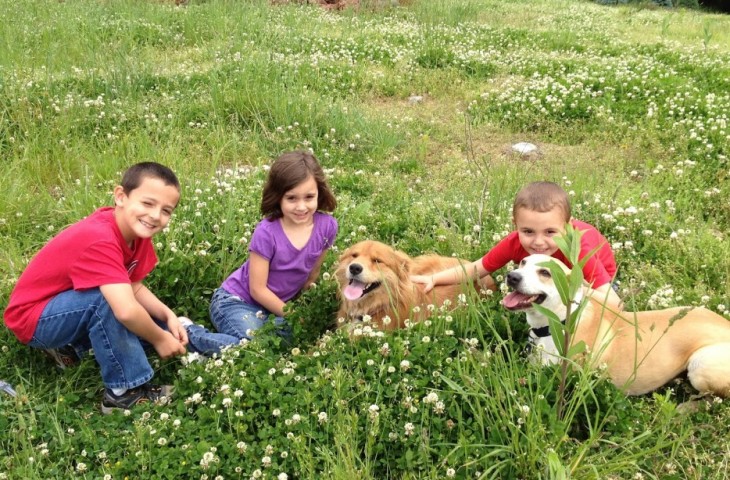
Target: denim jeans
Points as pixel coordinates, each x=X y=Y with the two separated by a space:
x=84 y=319
x=205 y=342
x=233 y=316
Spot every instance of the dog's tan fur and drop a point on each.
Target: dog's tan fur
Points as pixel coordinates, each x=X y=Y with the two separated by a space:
x=642 y=351
x=371 y=262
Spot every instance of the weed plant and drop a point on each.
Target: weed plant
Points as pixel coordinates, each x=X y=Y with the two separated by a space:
x=412 y=110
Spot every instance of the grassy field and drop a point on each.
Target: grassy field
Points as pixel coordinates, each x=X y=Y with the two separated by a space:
x=412 y=110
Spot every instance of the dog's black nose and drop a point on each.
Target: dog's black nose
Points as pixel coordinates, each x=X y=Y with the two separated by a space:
x=513 y=279
x=355 y=269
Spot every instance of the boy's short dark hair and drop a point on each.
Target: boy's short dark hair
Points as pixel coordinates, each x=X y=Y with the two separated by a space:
x=134 y=175
x=542 y=197
x=288 y=171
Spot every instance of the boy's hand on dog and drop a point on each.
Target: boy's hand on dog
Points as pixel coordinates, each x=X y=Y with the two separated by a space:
x=426 y=280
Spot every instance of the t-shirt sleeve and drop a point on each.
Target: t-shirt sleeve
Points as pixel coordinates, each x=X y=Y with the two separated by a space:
x=262 y=241
x=331 y=232
x=101 y=263
x=501 y=254
x=594 y=272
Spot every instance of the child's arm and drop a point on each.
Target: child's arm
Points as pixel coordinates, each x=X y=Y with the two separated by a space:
x=453 y=275
x=258 y=271
x=160 y=311
x=133 y=315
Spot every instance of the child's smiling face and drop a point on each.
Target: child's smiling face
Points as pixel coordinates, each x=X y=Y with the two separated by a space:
x=537 y=229
x=146 y=210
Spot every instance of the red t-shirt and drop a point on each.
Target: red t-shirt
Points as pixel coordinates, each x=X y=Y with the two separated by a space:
x=599 y=270
x=88 y=254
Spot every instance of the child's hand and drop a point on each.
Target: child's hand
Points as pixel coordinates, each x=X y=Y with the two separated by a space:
x=177 y=329
x=169 y=346
x=427 y=282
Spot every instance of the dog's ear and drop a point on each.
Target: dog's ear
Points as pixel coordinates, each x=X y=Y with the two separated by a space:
x=404 y=263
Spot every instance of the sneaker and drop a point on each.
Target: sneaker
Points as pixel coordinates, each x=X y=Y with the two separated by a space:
x=157 y=394
x=64 y=357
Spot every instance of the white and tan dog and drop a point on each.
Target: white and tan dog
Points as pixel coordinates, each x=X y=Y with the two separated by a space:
x=642 y=351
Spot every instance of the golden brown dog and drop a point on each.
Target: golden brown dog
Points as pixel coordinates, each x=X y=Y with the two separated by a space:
x=374 y=281
x=642 y=351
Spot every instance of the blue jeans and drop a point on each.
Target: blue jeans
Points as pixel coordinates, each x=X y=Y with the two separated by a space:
x=84 y=319
x=205 y=342
x=233 y=316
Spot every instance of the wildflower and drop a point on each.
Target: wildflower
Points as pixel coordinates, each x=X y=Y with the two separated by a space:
x=450 y=472
x=409 y=429
x=322 y=417
x=405 y=365
x=282 y=476
x=266 y=461
x=242 y=447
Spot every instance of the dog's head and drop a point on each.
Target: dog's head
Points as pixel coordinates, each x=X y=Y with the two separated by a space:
x=532 y=283
x=369 y=269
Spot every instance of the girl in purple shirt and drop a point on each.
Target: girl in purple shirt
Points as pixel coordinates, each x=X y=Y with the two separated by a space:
x=286 y=252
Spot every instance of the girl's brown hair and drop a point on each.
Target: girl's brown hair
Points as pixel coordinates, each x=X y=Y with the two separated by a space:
x=542 y=197
x=288 y=171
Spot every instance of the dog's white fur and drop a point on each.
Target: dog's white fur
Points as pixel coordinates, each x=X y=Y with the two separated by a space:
x=641 y=351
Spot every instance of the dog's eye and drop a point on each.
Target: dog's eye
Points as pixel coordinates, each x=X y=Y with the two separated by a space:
x=376 y=260
x=544 y=272
x=355 y=255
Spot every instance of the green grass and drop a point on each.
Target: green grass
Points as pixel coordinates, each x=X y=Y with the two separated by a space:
x=629 y=108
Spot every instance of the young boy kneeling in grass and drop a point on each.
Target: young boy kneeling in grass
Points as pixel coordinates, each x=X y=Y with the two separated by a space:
x=84 y=290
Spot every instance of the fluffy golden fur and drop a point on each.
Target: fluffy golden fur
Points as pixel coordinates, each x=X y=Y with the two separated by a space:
x=374 y=281
x=641 y=351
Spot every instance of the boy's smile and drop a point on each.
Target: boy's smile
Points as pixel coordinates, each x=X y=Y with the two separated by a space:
x=537 y=229
x=145 y=210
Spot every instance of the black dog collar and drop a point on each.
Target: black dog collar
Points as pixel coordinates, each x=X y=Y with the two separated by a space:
x=543 y=331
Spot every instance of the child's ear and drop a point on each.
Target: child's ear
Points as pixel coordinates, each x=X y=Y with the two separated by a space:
x=119 y=195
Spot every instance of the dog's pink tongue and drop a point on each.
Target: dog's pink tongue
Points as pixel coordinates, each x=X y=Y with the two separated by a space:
x=354 y=290
x=515 y=300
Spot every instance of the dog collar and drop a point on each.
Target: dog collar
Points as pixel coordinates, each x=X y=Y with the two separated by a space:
x=543 y=332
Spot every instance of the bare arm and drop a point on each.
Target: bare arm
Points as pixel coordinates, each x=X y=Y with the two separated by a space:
x=258 y=270
x=454 y=275
x=134 y=316
x=160 y=311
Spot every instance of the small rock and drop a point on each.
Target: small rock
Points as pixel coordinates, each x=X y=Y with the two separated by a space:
x=415 y=99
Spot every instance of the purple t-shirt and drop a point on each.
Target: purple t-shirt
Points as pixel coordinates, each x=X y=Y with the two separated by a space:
x=289 y=267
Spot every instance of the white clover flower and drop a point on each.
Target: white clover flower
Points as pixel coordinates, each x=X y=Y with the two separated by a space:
x=431 y=398
x=450 y=472
x=426 y=339
x=409 y=429
x=322 y=417
x=80 y=467
x=242 y=447
x=266 y=461
x=282 y=476
x=405 y=365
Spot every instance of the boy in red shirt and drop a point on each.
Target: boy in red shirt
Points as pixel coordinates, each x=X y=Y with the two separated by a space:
x=84 y=289
x=540 y=212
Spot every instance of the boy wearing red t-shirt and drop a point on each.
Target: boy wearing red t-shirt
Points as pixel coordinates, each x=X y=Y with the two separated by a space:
x=540 y=212
x=84 y=289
